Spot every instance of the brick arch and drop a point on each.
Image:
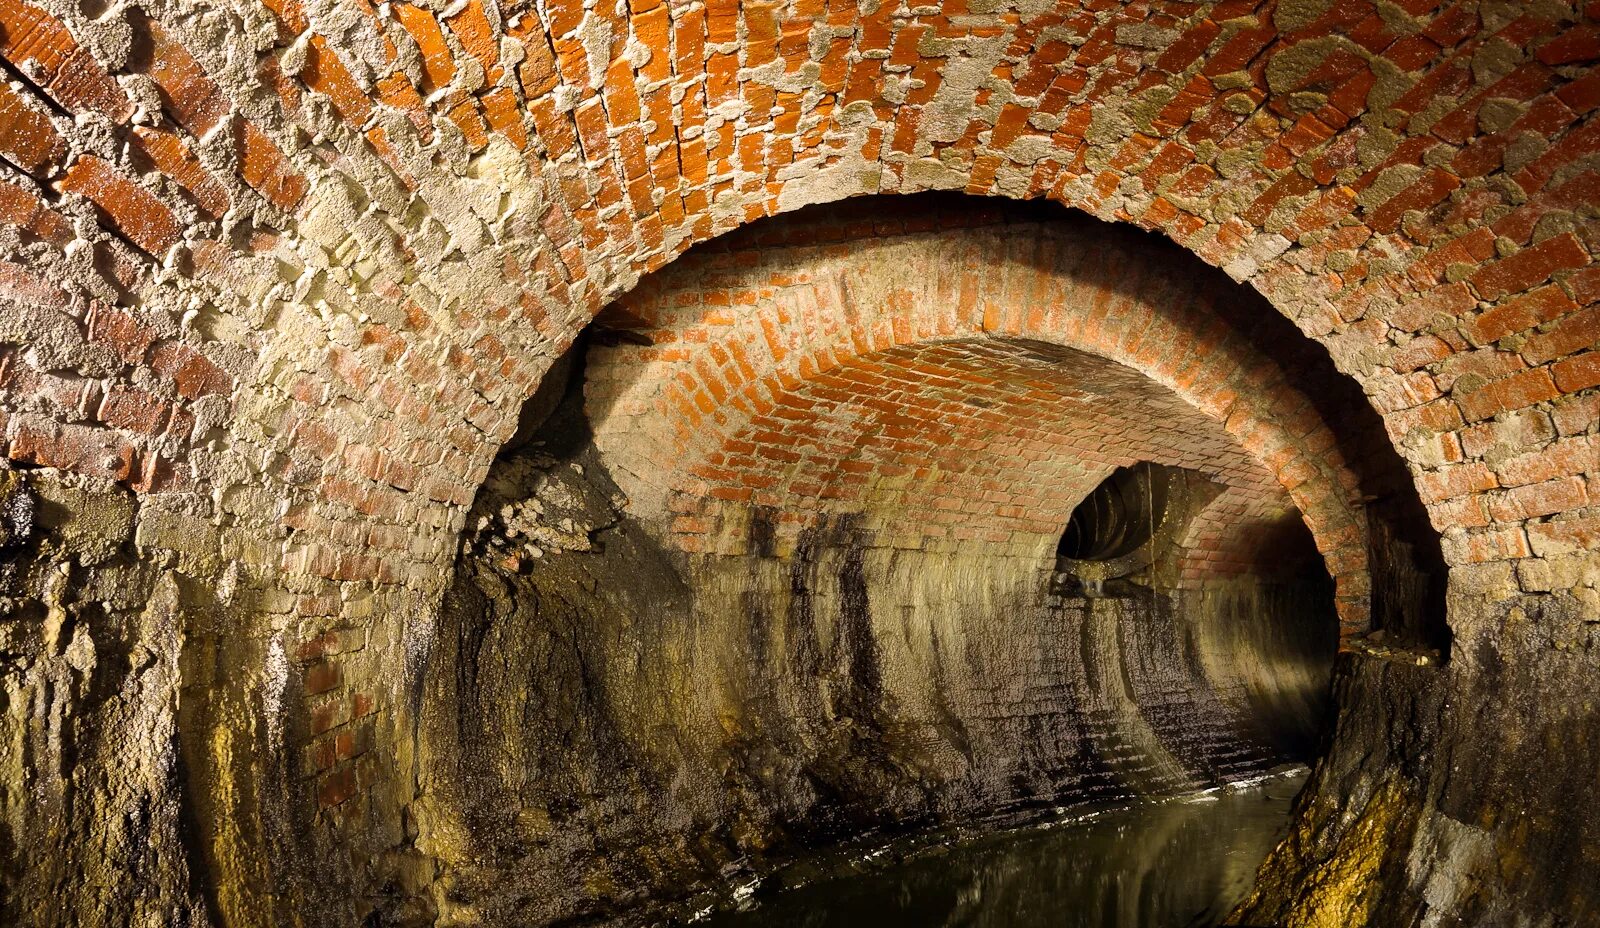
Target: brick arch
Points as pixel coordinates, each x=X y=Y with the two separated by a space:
x=985 y=440
x=844 y=374
x=569 y=151
x=1243 y=532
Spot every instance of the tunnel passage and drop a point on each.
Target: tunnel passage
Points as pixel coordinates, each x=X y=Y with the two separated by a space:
x=283 y=288
x=729 y=337
x=1121 y=515
x=699 y=626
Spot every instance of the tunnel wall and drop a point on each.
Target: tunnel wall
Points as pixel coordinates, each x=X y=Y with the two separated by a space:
x=421 y=207
x=88 y=710
x=610 y=721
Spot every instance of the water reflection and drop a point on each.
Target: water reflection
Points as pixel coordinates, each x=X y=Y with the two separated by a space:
x=1178 y=864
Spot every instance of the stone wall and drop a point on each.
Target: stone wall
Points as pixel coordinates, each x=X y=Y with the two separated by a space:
x=91 y=817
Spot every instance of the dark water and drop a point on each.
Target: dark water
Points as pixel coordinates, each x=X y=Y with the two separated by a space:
x=1177 y=864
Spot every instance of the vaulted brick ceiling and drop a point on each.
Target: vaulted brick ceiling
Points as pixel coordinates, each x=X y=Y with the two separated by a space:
x=224 y=218
x=955 y=385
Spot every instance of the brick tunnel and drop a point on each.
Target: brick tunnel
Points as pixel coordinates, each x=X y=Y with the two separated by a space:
x=487 y=463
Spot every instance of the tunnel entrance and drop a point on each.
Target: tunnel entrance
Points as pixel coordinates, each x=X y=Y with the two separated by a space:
x=801 y=558
x=1119 y=516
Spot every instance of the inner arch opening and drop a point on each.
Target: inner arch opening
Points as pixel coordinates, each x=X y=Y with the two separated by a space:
x=782 y=566
x=1120 y=515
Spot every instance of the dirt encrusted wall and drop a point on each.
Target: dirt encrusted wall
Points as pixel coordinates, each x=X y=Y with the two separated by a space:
x=609 y=722
x=145 y=776
x=91 y=816
x=1453 y=795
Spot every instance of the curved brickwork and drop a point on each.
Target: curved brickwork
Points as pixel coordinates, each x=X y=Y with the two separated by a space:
x=531 y=163
x=918 y=373
x=945 y=443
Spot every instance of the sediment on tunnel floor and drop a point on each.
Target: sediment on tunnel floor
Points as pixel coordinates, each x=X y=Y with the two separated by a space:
x=612 y=723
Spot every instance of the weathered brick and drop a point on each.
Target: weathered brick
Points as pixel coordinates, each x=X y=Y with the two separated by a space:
x=38 y=43
x=1517 y=315
x=336 y=787
x=1530 y=266
x=23 y=209
x=127 y=206
x=1485 y=545
x=170 y=155
x=191 y=372
x=27 y=139
x=134 y=410
x=82 y=449
x=1566 y=536
x=1508 y=394
x=1579 y=331
x=1576 y=455
x=263 y=166
x=1578 y=372
x=1526 y=428
x=1539 y=499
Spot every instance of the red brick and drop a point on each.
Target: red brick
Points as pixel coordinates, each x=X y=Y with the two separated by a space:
x=192 y=372
x=1574 y=415
x=1461 y=512
x=1508 y=393
x=122 y=332
x=1237 y=51
x=1525 y=429
x=1560 y=536
x=27 y=139
x=1579 y=331
x=186 y=90
x=1518 y=315
x=471 y=28
x=35 y=41
x=1539 y=499
x=23 y=209
x=337 y=787
x=1530 y=266
x=291 y=14
x=1494 y=544
x=329 y=715
x=1584 y=285
x=264 y=167
x=82 y=449
x=126 y=205
x=1443 y=303
x=1564 y=456
x=1458 y=22
x=1420 y=352
x=1432 y=187
x=134 y=410
x=1573 y=44
x=169 y=154
x=1578 y=372
x=1455 y=480
x=326 y=74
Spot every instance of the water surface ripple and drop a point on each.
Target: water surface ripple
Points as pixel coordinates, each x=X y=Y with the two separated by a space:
x=1174 y=864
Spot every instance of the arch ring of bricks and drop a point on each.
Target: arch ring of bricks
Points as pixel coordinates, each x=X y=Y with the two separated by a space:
x=424 y=206
x=734 y=338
